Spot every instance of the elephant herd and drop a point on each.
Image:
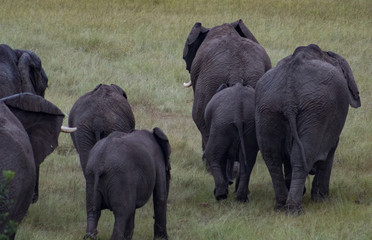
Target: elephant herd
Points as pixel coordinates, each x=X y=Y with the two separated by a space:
x=293 y=113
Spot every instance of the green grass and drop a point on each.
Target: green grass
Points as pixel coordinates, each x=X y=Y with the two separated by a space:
x=138 y=45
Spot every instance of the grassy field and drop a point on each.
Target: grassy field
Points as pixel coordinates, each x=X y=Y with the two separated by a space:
x=138 y=45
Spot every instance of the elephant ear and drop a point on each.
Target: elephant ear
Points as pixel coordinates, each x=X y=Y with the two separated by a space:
x=243 y=30
x=120 y=90
x=163 y=141
x=98 y=86
x=42 y=121
x=193 y=42
x=354 y=99
x=34 y=79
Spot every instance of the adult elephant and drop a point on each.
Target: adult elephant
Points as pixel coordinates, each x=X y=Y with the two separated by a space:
x=301 y=108
x=97 y=114
x=229 y=116
x=29 y=130
x=21 y=71
x=122 y=173
x=228 y=53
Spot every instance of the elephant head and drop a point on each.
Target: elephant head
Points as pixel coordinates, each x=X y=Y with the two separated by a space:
x=163 y=142
x=33 y=77
x=197 y=36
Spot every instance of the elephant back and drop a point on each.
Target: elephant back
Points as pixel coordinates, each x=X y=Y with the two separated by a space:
x=105 y=109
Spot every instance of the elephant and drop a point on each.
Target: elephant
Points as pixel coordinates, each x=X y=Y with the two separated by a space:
x=228 y=53
x=301 y=108
x=123 y=170
x=229 y=116
x=21 y=71
x=29 y=130
x=96 y=114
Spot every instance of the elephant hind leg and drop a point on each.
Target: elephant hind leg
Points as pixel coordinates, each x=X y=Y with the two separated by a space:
x=215 y=153
x=276 y=172
x=244 y=176
x=320 y=185
x=129 y=227
x=119 y=232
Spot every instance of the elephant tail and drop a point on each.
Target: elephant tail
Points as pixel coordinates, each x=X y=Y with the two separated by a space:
x=239 y=126
x=293 y=127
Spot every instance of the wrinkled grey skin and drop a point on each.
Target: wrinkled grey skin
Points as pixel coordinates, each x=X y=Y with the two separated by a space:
x=21 y=71
x=97 y=114
x=301 y=108
x=228 y=53
x=122 y=172
x=29 y=132
x=229 y=116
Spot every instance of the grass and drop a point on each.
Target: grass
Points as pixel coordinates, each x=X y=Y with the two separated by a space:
x=138 y=45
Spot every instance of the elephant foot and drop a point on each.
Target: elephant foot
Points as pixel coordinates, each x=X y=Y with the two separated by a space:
x=91 y=236
x=161 y=236
x=318 y=197
x=279 y=207
x=220 y=194
x=292 y=208
x=242 y=199
x=160 y=232
x=242 y=196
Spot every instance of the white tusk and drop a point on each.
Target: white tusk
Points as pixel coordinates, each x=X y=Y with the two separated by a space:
x=68 y=129
x=188 y=84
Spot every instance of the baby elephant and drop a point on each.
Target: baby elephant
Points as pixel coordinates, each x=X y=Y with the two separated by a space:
x=123 y=170
x=229 y=116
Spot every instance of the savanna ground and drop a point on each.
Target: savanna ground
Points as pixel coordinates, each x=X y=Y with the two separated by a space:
x=138 y=45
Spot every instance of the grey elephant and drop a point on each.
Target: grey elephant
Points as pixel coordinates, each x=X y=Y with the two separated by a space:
x=21 y=71
x=123 y=171
x=229 y=116
x=301 y=108
x=228 y=53
x=29 y=130
x=96 y=114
